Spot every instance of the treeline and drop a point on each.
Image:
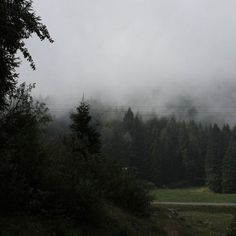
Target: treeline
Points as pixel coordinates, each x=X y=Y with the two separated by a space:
x=168 y=152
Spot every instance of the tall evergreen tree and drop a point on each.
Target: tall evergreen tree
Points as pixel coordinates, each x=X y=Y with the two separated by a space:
x=139 y=147
x=213 y=163
x=193 y=160
x=85 y=136
x=229 y=168
x=114 y=143
x=170 y=151
x=155 y=164
x=226 y=136
x=128 y=121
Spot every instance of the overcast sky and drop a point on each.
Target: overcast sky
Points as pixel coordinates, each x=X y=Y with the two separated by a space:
x=143 y=51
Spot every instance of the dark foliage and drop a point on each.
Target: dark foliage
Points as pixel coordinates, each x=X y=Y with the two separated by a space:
x=229 y=168
x=214 y=159
x=18 y=22
x=85 y=137
x=63 y=177
x=20 y=151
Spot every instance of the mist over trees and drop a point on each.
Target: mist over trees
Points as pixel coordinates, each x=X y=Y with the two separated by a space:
x=48 y=175
x=92 y=170
x=170 y=152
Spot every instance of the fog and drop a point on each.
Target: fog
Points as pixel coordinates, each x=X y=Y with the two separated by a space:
x=155 y=55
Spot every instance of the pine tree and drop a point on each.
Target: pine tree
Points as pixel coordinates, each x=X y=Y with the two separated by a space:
x=213 y=163
x=193 y=162
x=128 y=121
x=85 y=168
x=170 y=152
x=139 y=147
x=155 y=165
x=114 y=144
x=229 y=168
x=85 y=136
x=226 y=137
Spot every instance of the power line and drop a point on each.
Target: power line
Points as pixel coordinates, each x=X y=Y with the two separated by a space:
x=149 y=106
x=153 y=112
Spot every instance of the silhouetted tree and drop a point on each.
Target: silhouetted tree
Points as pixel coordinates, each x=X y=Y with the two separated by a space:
x=138 y=147
x=85 y=136
x=128 y=121
x=18 y=22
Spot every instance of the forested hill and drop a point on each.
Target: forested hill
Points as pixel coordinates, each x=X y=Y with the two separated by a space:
x=169 y=152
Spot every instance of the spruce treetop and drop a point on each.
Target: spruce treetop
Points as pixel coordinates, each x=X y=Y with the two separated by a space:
x=88 y=139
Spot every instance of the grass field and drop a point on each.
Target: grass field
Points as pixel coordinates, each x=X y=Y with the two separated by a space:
x=201 y=194
x=196 y=221
x=201 y=220
x=207 y=223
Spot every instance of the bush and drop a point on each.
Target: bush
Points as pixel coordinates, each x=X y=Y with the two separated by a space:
x=125 y=190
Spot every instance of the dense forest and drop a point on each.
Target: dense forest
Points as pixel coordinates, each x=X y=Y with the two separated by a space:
x=169 y=152
x=66 y=178
x=88 y=175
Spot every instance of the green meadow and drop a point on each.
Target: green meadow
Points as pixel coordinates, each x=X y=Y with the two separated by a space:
x=200 y=194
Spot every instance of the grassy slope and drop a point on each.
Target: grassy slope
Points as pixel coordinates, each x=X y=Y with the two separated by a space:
x=192 y=195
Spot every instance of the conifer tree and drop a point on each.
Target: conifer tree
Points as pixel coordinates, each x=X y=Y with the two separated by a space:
x=139 y=147
x=229 y=168
x=170 y=152
x=213 y=163
x=226 y=137
x=85 y=136
x=128 y=121
x=114 y=144
x=155 y=165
